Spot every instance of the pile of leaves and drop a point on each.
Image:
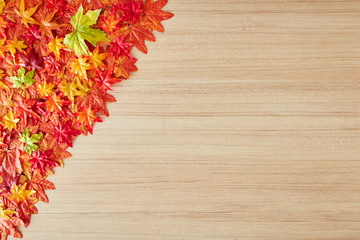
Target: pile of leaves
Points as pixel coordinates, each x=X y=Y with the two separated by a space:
x=58 y=59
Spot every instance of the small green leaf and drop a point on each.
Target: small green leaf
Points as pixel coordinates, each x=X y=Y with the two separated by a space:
x=23 y=78
x=30 y=145
x=82 y=31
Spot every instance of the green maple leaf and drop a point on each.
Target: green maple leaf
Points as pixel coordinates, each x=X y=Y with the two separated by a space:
x=81 y=24
x=23 y=78
x=30 y=145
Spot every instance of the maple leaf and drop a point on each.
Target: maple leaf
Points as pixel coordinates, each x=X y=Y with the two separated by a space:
x=131 y=10
x=59 y=150
x=26 y=14
x=4 y=213
x=87 y=117
x=96 y=58
x=153 y=14
x=10 y=160
x=39 y=184
x=20 y=193
x=109 y=23
x=30 y=145
x=51 y=65
x=32 y=34
x=23 y=109
x=55 y=45
x=14 y=45
x=31 y=60
x=104 y=80
x=23 y=78
x=123 y=66
x=7 y=180
x=69 y=90
x=9 y=121
x=79 y=65
x=46 y=26
x=44 y=89
x=41 y=160
x=97 y=99
x=82 y=31
x=137 y=34
x=120 y=47
x=55 y=103
x=64 y=133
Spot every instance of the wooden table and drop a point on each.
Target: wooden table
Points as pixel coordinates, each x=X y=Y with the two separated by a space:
x=241 y=124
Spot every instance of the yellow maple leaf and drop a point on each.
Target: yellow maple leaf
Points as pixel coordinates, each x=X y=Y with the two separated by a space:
x=45 y=89
x=55 y=45
x=14 y=45
x=95 y=58
x=79 y=66
x=82 y=86
x=5 y=212
x=26 y=14
x=19 y=193
x=70 y=90
x=9 y=121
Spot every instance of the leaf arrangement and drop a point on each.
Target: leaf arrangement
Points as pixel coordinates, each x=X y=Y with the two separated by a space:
x=58 y=59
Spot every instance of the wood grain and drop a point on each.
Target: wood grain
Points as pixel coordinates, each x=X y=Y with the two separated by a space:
x=242 y=123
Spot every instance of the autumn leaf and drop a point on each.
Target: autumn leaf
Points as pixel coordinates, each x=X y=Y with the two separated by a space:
x=153 y=14
x=20 y=193
x=64 y=133
x=137 y=34
x=23 y=78
x=31 y=60
x=104 y=80
x=55 y=103
x=46 y=23
x=120 y=47
x=39 y=184
x=14 y=45
x=4 y=213
x=55 y=45
x=96 y=58
x=41 y=160
x=79 y=65
x=87 y=117
x=123 y=67
x=29 y=141
x=9 y=121
x=130 y=11
x=45 y=89
x=82 y=31
x=26 y=14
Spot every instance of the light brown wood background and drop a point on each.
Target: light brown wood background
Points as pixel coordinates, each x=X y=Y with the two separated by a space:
x=243 y=123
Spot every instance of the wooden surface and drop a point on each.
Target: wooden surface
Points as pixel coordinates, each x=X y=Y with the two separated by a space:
x=241 y=124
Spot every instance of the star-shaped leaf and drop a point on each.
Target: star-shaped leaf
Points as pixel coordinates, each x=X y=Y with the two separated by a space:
x=20 y=193
x=26 y=14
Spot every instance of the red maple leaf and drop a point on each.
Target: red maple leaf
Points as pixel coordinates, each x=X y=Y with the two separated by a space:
x=64 y=133
x=131 y=10
x=104 y=80
x=120 y=47
x=41 y=160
